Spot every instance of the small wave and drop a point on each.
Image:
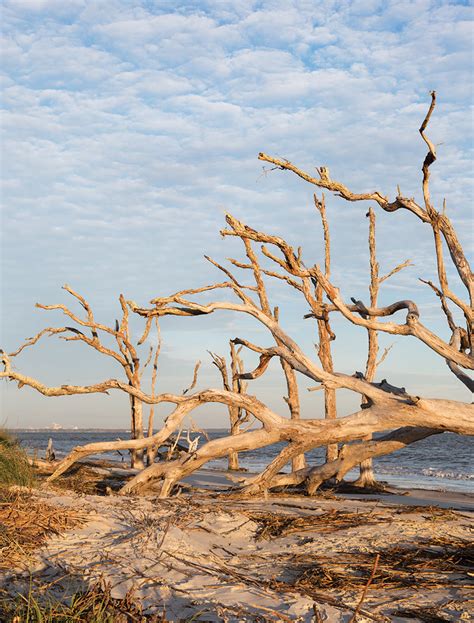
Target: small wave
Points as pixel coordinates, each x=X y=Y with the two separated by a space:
x=431 y=472
x=438 y=473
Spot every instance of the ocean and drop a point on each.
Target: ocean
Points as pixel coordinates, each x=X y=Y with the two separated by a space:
x=442 y=462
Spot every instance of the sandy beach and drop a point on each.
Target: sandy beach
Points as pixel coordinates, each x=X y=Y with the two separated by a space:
x=208 y=556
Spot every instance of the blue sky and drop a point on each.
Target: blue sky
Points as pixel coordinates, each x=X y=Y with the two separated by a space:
x=129 y=128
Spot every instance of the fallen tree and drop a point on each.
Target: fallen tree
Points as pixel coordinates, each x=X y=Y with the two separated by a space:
x=385 y=408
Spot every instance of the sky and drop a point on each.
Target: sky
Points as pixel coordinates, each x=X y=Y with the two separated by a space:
x=130 y=128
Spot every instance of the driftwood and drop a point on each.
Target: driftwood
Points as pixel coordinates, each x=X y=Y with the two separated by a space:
x=325 y=333
x=232 y=382
x=350 y=455
x=388 y=410
x=50 y=454
x=125 y=354
x=384 y=406
x=442 y=229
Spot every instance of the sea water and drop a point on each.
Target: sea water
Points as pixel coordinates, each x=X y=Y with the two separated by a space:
x=442 y=462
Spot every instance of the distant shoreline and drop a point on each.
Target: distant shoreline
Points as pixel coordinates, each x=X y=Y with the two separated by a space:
x=32 y=429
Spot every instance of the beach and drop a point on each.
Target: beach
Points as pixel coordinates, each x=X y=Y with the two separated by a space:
x=208 y=555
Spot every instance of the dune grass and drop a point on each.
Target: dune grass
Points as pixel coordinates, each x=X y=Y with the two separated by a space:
x=14 y=466
x=94 y=605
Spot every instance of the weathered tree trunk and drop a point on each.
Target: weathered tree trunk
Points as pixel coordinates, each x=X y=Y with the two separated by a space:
x=136 y=456
x=303 y=435
x=151 y=451
x=233 y=457
x=50 y=454
x=233 y=384
x=330 y=413
x=349 y=456
x=388 y=411
x=293 y=402
x=366 y=475
x=236 y=414
x=324 y=329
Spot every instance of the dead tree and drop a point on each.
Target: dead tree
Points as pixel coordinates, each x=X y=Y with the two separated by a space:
x=386 y=407
x=231 y=381
x=326 y=336
x=366 y=477
x=390 y=408
x=459 y=352
x=152 y=451
x=125 y=353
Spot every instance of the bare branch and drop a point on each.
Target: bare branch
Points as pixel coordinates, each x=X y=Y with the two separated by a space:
x=426 y=215
x=384 y=355
x=146 y=332
x=430 y=156
x=48 y=331
x=257 y=272
x=237 y=287
x=444 y=304
x=395 y=270
x=194 y=381
x=456 y=342
x=339 y=189
x=412 y=326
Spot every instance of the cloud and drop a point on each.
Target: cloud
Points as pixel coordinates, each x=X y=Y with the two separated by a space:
x=129 y=128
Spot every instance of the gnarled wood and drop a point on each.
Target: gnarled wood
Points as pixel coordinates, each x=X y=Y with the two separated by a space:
x=385 y=407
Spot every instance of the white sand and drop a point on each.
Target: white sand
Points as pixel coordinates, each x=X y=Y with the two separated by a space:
x=198 y=554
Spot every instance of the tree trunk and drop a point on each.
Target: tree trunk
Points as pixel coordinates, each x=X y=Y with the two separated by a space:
x=293 y=402
x=366 y=473
x=235 y=414
x=389 y=411
x=324 y=329
x=136 y=455
x=233 y=457
x=151 y=451
x=366 y=470
x=330 y=413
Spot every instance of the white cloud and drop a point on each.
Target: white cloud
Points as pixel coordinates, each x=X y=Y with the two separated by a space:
x=129 y=128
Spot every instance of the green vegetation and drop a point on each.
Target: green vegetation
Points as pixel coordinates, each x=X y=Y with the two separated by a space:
x=92 y=606
x=14 y=466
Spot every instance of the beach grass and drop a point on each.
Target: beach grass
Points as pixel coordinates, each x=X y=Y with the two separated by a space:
x=94 y=605
x=14 y=465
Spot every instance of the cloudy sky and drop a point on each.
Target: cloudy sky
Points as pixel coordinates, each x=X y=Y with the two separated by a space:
x=130 y=128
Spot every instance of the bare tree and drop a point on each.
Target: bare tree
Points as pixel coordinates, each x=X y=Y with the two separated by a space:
x=459 y=352
x=385 y=407
x=367 y=478
x=125 y=353
x=153 y=450
x=324 y=328
x=231 y=381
